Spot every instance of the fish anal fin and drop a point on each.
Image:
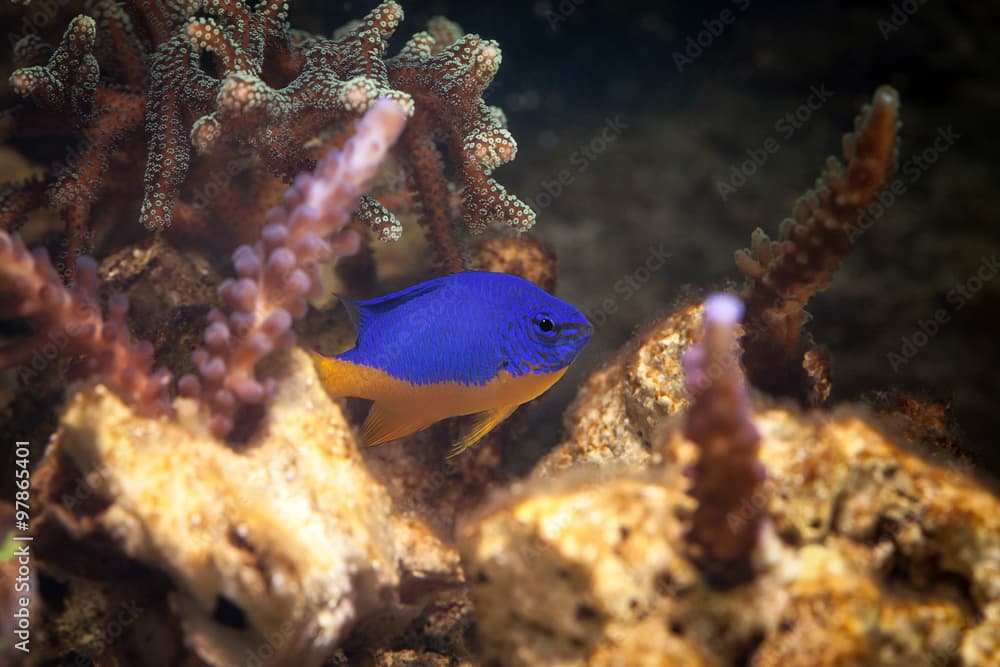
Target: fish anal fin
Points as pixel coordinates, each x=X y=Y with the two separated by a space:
x=481 y=425
x=383 y=425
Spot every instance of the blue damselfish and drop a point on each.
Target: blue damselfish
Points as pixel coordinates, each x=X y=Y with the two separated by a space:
x=467 y=343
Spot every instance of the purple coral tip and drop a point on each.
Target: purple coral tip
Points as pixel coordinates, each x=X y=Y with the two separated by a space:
x=722 y=308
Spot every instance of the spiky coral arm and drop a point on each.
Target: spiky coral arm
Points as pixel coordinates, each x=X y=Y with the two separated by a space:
x=783 y=275
x=439 y=75
x=66 y=92
x=727 y=473
x=69 y=78
x=278 y=274
x=447 y=74
x=67 y=321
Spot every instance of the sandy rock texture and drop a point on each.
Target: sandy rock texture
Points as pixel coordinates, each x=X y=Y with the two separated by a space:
x=619 y=406
x=878 y=548
x=277 y=550
x=872 y=556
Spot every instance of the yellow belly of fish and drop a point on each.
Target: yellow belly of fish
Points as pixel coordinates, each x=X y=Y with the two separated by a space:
x=402 y=408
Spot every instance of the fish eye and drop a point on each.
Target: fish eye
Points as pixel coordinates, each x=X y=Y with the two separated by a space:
x=544 y=324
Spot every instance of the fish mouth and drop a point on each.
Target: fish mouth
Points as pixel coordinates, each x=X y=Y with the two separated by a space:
x=577 y=331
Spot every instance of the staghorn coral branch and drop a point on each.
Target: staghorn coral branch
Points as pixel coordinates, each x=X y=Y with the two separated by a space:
x=69 y=78
x=426 y=170
x=115 y=25
x=277 y=275
x=16 y=199
x=447 y=74
x=727 y=474
x=175 y=84
x=68 y=321
x=337 y=80
x=782 y=275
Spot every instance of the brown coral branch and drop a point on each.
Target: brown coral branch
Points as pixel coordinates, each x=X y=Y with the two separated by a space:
x=447 y=76
x=69 y=78
x=67 y=321
x=782 y=275
x=278 y=274
x=727 y=473
x=426 y=170
x=16 y=199
x=127 y=52
x=176 y=85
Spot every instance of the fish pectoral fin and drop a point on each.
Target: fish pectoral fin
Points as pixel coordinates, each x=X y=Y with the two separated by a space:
x=481 y=425
x=383 y=425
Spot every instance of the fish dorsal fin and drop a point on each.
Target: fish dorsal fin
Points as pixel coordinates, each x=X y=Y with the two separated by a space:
x=353 y=311
x=481 y=425
x=363 y=313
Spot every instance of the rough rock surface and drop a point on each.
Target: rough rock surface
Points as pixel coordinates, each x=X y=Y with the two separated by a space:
x=280 y=549
x=619 y=406
x=873 y=557
x=880 y=548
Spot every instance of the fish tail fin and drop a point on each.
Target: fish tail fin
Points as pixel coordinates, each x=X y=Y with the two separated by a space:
x=338 y=377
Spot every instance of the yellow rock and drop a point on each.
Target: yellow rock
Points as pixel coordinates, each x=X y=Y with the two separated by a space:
x=618 y=407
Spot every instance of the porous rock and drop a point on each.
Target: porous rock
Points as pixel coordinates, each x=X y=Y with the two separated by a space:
x=278 y=550
x=873 y=553
x=619 y=406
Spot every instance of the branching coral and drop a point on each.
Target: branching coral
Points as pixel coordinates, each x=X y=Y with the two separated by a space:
x=66 y=87
x=447 y=75
x=727 y=474
x=68 y=321
x=278 y=274
x=220 y=77
x=783 y=275
x=68 y=80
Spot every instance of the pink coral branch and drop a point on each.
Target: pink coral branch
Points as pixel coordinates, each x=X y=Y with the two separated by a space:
x=727 y=474
x=67 y=321
x=277 y=275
